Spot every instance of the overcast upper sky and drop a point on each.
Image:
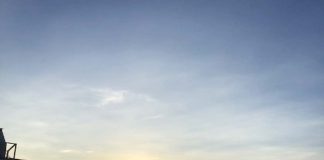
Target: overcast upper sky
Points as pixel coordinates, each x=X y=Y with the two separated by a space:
x=163 y=80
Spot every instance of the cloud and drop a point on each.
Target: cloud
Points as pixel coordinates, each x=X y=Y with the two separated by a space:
x=74 y=151
x=89 y=151
x=113 y=97
x=107 y=97
x=67 y=151
x=37 y=124
x=157 y=116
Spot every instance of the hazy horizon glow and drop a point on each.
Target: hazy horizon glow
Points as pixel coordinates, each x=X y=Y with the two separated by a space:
x=163 y=80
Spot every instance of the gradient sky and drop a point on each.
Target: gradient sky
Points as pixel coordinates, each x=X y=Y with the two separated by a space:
x=163 y=80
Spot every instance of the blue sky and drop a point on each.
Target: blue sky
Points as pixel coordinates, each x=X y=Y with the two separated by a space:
x=158 y=80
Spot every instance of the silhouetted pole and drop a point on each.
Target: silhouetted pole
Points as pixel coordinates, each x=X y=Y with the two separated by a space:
x=3 y=146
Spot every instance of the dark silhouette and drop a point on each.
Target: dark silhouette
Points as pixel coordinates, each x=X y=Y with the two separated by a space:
x=7 y=148
x=3 y=145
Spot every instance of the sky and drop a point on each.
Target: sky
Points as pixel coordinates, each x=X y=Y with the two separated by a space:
x=163 y=80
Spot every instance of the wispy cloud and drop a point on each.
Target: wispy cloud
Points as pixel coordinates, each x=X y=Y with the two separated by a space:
x=112 y=97
x=68 y=151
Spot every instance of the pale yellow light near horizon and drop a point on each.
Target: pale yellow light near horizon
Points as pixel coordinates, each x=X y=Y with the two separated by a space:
x=134 y=156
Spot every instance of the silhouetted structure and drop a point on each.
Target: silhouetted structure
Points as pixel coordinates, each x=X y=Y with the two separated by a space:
x=3 y=145
x=7 y=148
